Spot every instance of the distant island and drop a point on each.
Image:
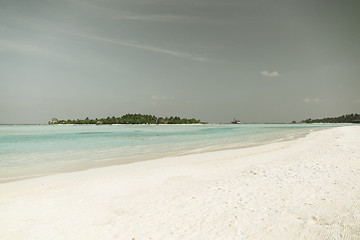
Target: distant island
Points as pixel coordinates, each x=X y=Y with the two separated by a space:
x=129 y=119
x=349 y=118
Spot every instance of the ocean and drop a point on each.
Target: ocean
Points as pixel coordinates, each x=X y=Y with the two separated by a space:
x=28 y=151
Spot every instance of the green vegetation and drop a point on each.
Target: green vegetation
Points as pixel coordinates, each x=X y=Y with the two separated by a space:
x=349 y=118
x=129 y=119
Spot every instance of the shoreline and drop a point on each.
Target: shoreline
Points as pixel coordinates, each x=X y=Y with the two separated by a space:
x=308 y=187
x=107 y=161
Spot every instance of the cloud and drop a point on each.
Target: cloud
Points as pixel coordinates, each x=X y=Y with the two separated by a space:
x=311 y=100
x=165 y=98
x=151 y=17
x=115 y=13
x=357 y=101
x=23 y=48
x=141 y=46
x=270 y=74
x=156 y=99
x=46 y=25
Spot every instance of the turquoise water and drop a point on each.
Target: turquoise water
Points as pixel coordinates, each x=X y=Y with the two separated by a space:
x=32 y=150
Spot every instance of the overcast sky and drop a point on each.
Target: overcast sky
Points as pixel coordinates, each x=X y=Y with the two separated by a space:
x=255 y=60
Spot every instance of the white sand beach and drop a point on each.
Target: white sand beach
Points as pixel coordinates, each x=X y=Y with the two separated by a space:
x=307 y=188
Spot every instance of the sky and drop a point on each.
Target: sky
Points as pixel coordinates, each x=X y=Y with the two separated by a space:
x=254 y=60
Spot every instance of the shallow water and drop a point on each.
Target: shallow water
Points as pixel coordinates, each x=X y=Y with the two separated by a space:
x=36 y=150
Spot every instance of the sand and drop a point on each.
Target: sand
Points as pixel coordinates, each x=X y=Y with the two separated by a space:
x=307 y=188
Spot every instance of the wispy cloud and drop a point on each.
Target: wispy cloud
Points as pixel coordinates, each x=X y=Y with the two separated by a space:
x=156 y=97
x=190 y=56
x=270 y=74
x=24 y=48
x=150 y=17
x=159 y=99
x=357 y=101
x=311 y=100
x=116 y=13
x=40 y=24
x=169 y=18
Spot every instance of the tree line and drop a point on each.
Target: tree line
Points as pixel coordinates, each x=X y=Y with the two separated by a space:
x=129 y=119
x=349 y=118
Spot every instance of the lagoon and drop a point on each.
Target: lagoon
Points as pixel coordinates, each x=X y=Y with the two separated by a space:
x=28 y=151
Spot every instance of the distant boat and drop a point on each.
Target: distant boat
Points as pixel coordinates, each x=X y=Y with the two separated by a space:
x=236 y=121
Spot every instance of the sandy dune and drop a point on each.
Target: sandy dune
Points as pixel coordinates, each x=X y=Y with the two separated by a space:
x=303 y=189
